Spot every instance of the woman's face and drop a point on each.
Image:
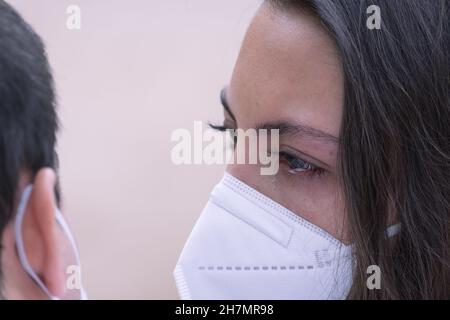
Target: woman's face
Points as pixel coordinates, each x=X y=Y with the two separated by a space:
x=288 y=75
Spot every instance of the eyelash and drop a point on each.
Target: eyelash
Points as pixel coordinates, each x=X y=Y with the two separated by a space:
x=219 y=127
x=297 y=166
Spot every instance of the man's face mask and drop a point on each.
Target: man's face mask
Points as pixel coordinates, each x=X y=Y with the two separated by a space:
x=73 y=287
x=247 y=246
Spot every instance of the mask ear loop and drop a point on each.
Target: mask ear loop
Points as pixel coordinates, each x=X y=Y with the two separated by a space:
x=393 y=230
x=21 y=248
x=62 y=222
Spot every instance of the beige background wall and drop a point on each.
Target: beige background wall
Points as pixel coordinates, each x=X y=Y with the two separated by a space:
x=137 y=70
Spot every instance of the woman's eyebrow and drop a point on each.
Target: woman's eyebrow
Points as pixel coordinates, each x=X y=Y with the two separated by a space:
x=284 y=127
x=289 y=128
x=226 y=106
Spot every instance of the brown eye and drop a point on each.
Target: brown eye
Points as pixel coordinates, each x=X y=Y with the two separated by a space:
x=298 y=166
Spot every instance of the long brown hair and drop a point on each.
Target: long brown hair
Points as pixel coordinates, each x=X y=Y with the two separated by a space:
x=394 y=157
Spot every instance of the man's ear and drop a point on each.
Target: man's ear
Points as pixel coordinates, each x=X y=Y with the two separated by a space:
x=40 y=233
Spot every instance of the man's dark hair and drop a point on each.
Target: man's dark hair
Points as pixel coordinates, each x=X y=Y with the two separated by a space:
x=28 y=120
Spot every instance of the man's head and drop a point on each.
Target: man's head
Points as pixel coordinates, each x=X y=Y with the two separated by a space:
x=28 y=125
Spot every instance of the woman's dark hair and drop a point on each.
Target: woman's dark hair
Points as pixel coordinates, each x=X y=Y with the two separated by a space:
x=394 y=154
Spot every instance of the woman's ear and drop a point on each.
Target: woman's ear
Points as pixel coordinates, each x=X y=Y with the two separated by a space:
x=40 y=233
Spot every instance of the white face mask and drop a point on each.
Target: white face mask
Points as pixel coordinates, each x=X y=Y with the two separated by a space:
x=72 y=258
x=246 y=246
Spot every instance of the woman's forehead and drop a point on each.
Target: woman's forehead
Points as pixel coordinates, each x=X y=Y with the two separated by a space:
x=288 y=67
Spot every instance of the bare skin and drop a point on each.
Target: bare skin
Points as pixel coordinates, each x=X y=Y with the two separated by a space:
x=43 y=244
x=288 y=71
